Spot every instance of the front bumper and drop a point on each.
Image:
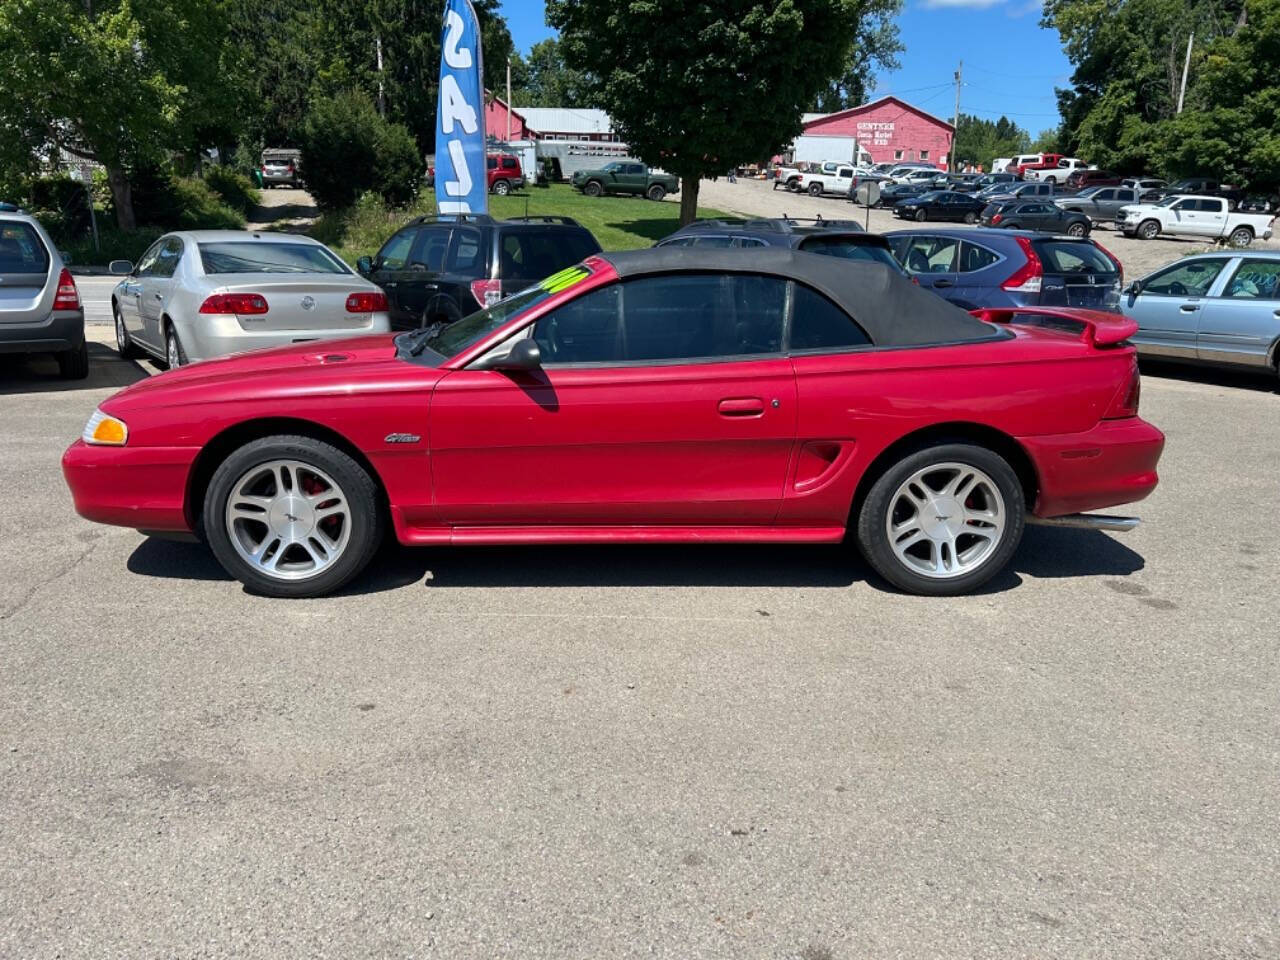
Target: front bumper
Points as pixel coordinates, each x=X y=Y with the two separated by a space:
x=1113 y=463
x=142 y=487
x=217 y=336
x=61 y=330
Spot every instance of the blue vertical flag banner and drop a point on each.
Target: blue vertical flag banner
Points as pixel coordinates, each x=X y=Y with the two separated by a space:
x=461 y=181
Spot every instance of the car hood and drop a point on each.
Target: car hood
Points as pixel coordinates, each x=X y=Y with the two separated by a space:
x=302 y=369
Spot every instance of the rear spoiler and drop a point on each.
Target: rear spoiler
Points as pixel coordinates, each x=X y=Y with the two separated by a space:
x=1096 y=328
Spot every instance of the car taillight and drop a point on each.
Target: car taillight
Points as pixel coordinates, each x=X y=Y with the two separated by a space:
x=68 y=297
x=486 y=292
x=367 y=302
x=1028 y=277
x=291 y=166
x=1126 y=402
x=996 y=218
x=238 y=303
x=1112 y=257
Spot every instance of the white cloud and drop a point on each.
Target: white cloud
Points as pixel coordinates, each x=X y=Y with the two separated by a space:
x=962 y=4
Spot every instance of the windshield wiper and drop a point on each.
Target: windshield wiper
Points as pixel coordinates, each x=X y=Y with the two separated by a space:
x=416 y=341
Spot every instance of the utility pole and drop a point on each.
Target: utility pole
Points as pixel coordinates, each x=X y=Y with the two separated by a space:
x=508 y=99
x=951 y=157
x=382 y=102
x=1182 y=94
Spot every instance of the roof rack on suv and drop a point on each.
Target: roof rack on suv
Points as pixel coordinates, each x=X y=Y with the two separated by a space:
x=454 y=218
x=544 y=218
x=783 y=224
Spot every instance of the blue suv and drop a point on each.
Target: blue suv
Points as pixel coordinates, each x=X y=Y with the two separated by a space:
x=833 y=238
x=975 y=268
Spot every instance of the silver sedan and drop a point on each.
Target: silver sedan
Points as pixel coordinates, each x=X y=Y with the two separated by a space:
x=206 y=293
x=1214 y=308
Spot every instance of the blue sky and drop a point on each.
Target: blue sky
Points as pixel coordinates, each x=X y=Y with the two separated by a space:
x=1010 y=63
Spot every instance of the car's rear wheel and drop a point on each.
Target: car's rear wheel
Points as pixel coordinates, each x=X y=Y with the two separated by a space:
x=1241 y=237
x=125 y=346
x=943 y=520
x=922 y=215
x=793 y=185
x=593 y=188
x=656 y=192
x=73 y=364
x=1149 y=229
x=175 y=356
x=292 y=516
x=1077 y=230
x=971 y=218
x=502 y=187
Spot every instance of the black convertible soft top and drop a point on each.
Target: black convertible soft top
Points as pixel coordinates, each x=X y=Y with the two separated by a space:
x=894 y=311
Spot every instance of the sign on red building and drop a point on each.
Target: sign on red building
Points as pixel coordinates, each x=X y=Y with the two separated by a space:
x=889 y=129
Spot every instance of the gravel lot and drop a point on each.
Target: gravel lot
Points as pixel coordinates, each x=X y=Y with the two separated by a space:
x=684 y=752
x=758 y=198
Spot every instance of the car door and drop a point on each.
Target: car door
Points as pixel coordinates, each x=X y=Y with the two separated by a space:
x=1119 y=197
x=1035 y=215
x=157 y=286
x=1182 y=218
x=1168 y=306
x=1211 y=217
x=389 y=270
x=129 y=299
x=931 y=260
x=1240 y=319
x=660 y=400
x=465 y=260
x=635 y=178
x=978 y=276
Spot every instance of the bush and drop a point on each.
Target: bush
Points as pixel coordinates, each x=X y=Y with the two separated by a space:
x=180 y=203
x=234 y=189
x=61 y=203
x=112 y=245
x=348 y=150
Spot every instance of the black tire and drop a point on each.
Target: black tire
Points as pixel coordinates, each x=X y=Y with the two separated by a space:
x=1077 y=230
x=1240 y=237
x=793 y=185
x=593 y=188
x=875 y=515
x=73 y=364
x=656 y=192
x=357 y=487
x=815 y=189
x=1149 y=229
x=502 y=187
x=173 y=349
x=921 y=215
x=971 y=218
x=125 y=346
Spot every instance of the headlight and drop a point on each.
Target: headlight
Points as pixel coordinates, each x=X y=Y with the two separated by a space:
x=105 y=430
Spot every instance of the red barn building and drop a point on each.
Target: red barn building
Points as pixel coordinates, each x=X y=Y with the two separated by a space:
x=889 y=129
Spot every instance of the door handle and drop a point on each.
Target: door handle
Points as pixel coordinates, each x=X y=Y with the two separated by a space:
x=1189 y=307
x=157 y=296
x=943 y=283
x=741 y=407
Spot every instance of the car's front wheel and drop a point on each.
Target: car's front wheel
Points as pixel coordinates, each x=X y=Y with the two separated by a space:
x=942 y=521
x=292 y=516
x=1149 y=229
x=502 y=187
x=815 y=189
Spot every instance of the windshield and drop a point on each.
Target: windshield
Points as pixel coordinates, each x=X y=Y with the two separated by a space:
x=256 y=256
x=449 y=341
x=612 y=167
x=1167 y=201
x=1087 y=192
x=850 y=249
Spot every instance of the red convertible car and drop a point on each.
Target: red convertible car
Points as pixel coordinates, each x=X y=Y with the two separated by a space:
x=673 y=394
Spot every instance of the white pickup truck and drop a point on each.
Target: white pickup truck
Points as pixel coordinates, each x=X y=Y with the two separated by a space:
x=1193 y=216
x=789 y=177
x=1057 y=173
x=838 y=179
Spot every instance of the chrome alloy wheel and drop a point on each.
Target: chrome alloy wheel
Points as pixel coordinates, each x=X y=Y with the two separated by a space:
x=122 y=341
x=172 y=357
x=945 y=520
x=288 y=520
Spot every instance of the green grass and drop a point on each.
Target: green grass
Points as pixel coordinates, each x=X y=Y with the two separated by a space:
x=618 y=223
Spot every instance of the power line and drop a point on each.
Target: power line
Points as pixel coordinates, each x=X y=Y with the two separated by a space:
x=1022 y=76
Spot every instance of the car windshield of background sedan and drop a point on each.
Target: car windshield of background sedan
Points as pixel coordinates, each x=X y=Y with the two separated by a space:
x=253 y=256
x=850 y=250
x=1086 y=193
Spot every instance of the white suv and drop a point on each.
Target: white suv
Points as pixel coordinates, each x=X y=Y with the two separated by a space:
x=40 y=308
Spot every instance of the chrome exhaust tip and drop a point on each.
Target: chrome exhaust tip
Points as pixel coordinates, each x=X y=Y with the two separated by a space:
x=1087 y=521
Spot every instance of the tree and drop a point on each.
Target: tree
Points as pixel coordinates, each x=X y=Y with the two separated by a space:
x=545 y=81
x=120 y=83
x=1122 y=108
x=980 y=141
x=347 y=149
x=729 y=85
x=876 y=46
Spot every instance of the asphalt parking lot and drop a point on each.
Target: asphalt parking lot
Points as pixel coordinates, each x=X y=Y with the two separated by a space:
x=683 y=752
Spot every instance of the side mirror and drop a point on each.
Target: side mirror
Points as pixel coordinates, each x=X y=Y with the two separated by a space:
x=120 y=268
x=522 y=354
x=1134 y=288
x=364 y=266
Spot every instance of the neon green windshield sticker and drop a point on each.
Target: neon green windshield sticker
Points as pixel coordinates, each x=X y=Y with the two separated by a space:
x=565 y=279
